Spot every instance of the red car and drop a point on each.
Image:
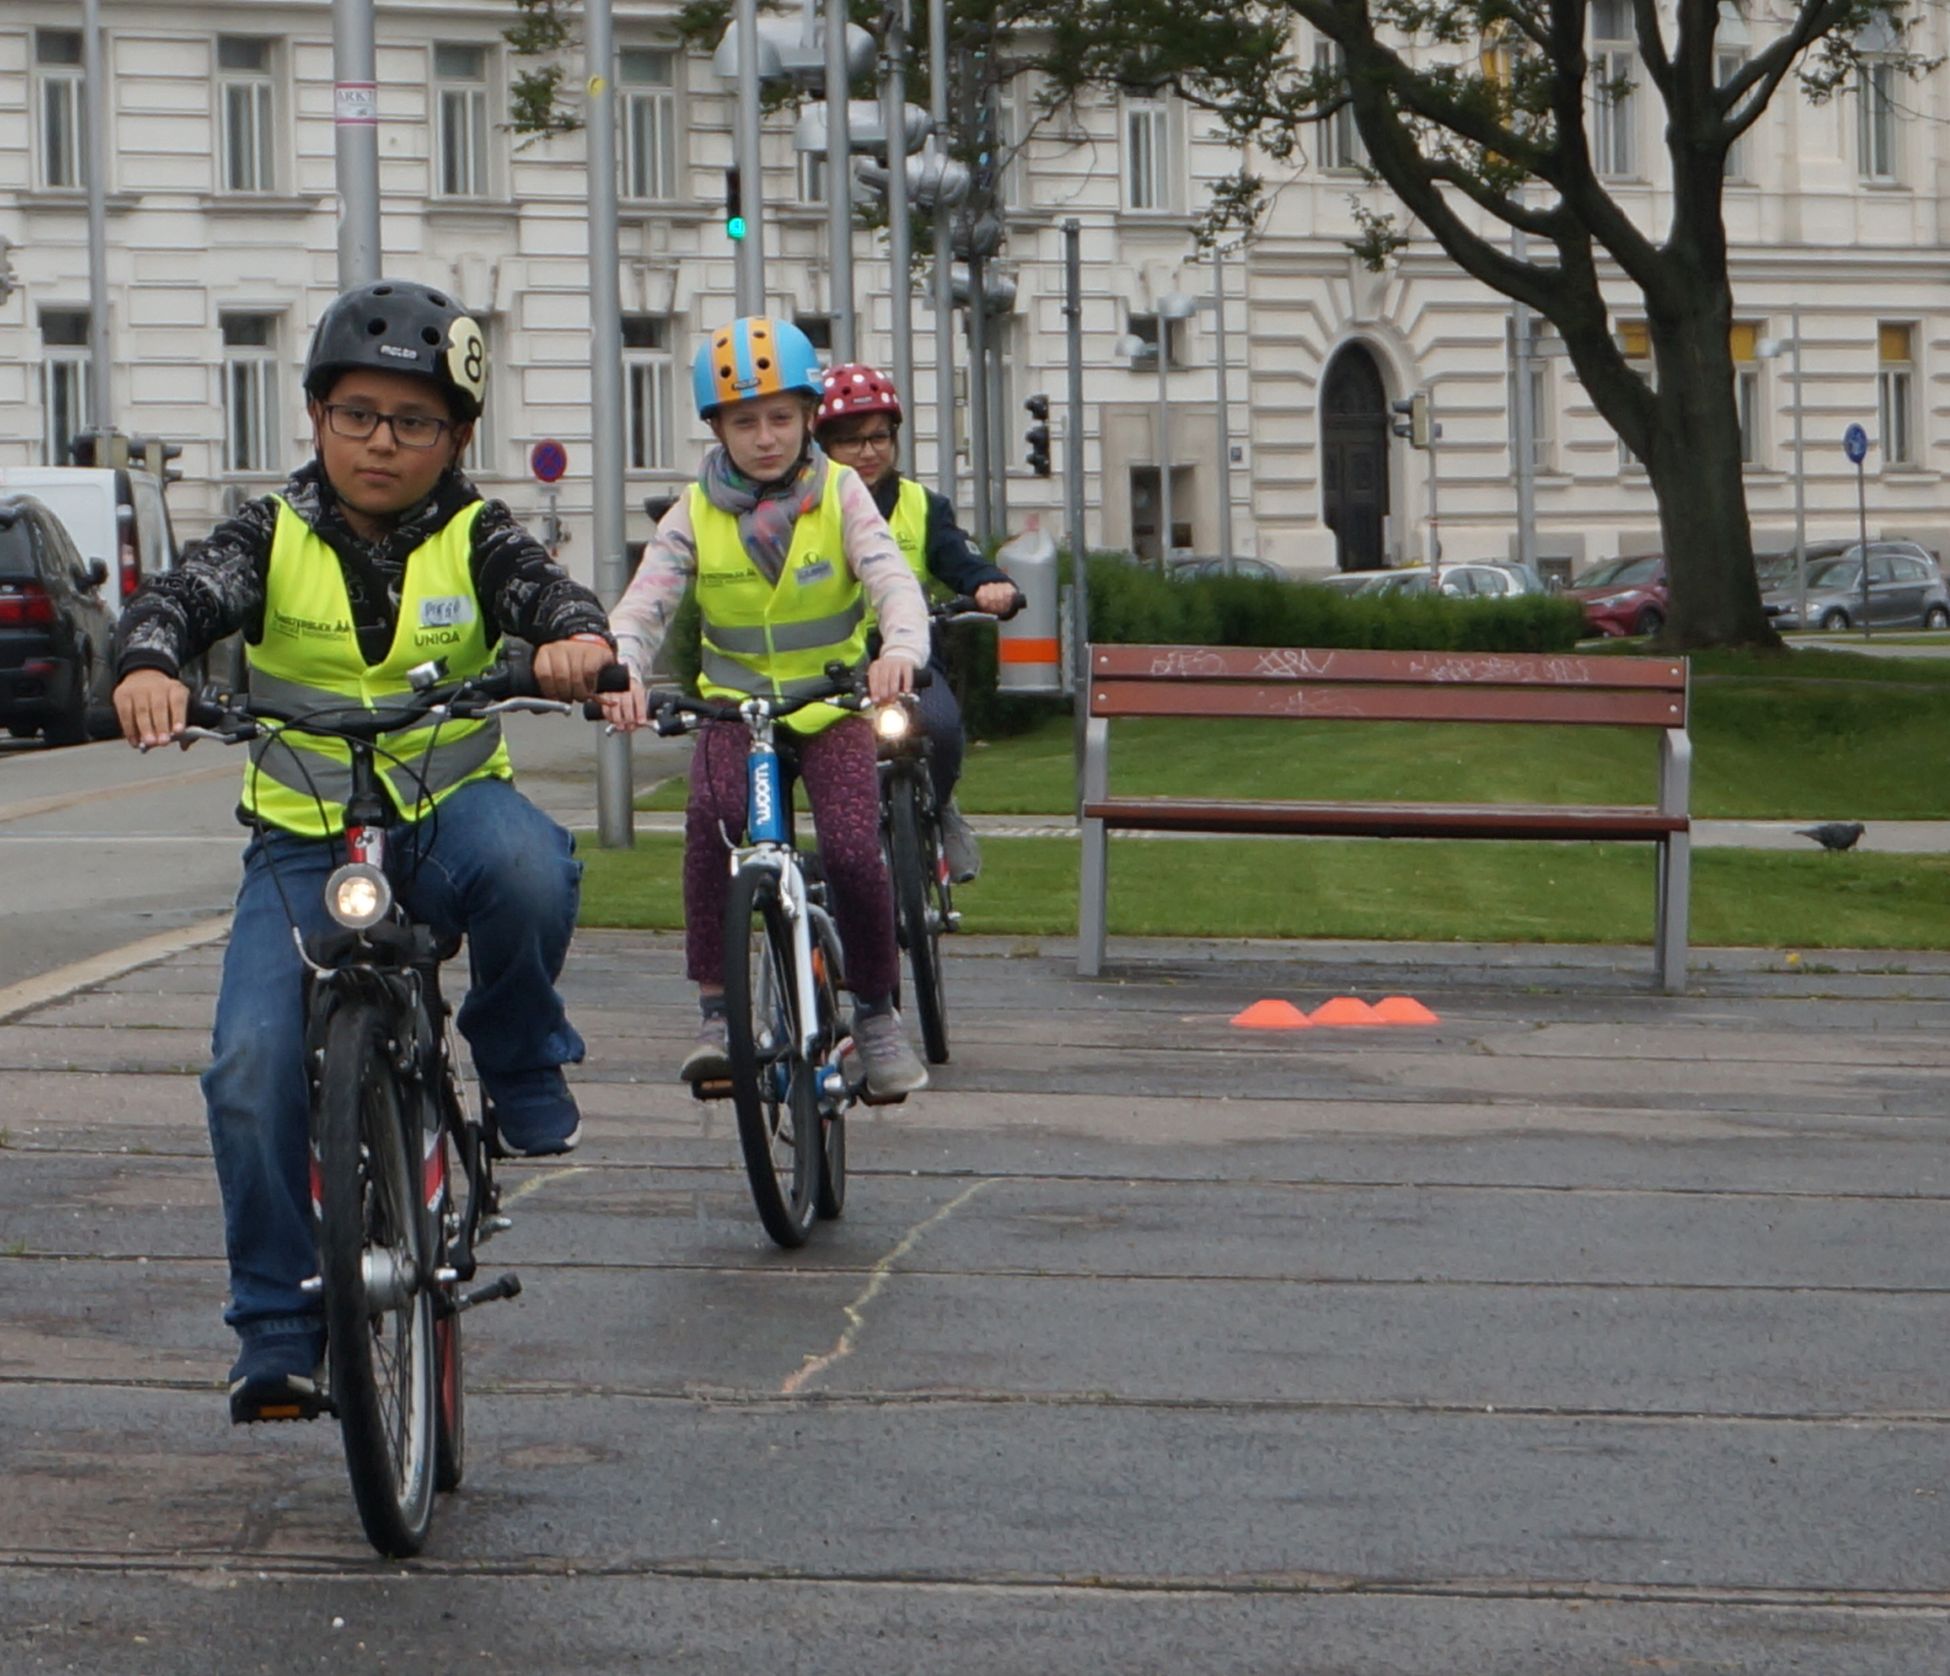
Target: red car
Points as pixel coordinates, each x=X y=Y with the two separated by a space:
x=1623 y=596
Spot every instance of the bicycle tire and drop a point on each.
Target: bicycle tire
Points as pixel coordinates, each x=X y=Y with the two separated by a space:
x=449 y=1361
x=773 y=1085
x=915 y=861
x=832 y=1110
x=372 y=1247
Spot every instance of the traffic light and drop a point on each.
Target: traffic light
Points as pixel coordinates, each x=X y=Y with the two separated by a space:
x=1414 y=421
x=155 y=455
x=734 y=204
x=1037 y=436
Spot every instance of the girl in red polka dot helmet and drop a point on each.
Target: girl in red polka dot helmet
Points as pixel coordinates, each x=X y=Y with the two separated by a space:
x=853 y=391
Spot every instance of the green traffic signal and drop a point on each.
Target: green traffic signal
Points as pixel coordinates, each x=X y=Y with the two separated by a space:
x=735 y=226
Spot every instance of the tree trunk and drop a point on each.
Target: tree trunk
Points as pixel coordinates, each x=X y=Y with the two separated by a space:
x=1693 y=460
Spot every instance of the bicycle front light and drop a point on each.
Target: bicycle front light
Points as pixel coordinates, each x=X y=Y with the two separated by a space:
x=358 y=896
x=892 y=721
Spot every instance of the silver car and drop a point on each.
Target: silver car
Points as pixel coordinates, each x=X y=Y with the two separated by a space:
x=1476 y=579
x=1906 y=590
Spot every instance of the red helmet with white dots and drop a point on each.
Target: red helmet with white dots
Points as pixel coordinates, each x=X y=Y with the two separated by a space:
x=856 y=389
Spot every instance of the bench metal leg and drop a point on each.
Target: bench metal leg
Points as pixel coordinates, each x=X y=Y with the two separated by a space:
x=1090 y=901
x=1673 y=901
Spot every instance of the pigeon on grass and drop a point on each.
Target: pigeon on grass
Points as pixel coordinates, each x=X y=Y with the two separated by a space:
x=1832 y=835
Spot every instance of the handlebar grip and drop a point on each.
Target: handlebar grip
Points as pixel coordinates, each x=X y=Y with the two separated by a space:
x=206 y=709
x=613 y=678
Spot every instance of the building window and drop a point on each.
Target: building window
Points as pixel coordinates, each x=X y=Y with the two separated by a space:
x=648 y=80
x=1340 y=140
x=812 y=177
x=1743 y=342
x=1614 y=97
x=818 y=329
x=57 y=77
x=244 y=93
x=1541 y=407
x=647 y=442
x=1728 y=63
x=250 y=395
x=1147 y=154
x=1895 y=388
x=1635 y=344
x=67 y=399
x=461 y=107
x=1875 y=126
x=1144 y=327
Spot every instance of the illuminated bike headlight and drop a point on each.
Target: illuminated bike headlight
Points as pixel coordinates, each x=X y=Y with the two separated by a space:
x=358 y=896
x=892 y=721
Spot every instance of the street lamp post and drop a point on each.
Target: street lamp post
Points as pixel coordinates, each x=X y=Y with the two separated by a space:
x=1171 y=306
x=1225 y=414
x=1768 y=348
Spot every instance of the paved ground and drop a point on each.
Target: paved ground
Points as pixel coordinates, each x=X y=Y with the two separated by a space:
x=1585 y=1331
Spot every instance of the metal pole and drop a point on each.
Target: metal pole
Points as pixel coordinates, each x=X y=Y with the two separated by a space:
x=94 y=168
x=998 y=432
x=750 y=269
x=1523 y=442
x=900 y=231
x=1225 y=413
x=614 y=815
x=1164 y=447
x=978 y=401
x=355 y=129
x=839 y=180
x=1800 y=486
x=1862 y=513
x=944 y=301
x=1073 y=485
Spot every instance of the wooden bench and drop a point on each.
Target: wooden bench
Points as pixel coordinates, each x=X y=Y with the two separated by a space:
x=1190 y=682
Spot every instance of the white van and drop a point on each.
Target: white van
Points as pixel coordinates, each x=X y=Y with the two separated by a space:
x=114 y=513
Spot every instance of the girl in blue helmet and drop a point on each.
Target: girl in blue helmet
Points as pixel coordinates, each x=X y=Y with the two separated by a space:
x=777 y=535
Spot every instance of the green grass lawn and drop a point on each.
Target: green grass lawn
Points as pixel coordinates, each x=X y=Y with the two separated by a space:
x=1435 y=891
x=1807 y=736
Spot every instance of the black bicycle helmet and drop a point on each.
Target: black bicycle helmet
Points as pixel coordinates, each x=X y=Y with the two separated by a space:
x=395 y=325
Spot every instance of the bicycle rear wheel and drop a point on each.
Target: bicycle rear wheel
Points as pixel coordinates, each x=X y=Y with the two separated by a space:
x=372 y=1251
x=773 y=1084
x=832 y=1108
x=916 y=857
x=449 y=1388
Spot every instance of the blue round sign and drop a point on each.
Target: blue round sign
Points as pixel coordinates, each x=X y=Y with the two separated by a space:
x=548 y=461
x=1855 y=443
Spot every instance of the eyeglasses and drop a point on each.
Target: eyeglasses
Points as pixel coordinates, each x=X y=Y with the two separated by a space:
x=859 y=440
x=410 y=430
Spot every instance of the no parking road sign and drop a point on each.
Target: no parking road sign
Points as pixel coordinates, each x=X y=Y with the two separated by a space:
x=1855 y=444
x=548 y=460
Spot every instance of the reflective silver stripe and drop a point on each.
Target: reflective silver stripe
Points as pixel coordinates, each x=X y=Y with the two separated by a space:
x=736 y=677
x=296 y=697
x=446 y=764
x=797 y=636
x=287 y=764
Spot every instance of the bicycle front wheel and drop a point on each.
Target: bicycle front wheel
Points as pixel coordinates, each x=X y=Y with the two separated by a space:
x=773 y=1084
x=915 y=850
x=372 y=1252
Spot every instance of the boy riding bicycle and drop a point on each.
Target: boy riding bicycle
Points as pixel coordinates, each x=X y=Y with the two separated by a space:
x=859 y=425
x=789 y=552
x=375 y=558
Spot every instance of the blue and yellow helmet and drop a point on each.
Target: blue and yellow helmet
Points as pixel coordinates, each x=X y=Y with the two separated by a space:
x=754 y=357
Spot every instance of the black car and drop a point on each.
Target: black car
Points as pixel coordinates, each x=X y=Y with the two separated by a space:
x=54 y=629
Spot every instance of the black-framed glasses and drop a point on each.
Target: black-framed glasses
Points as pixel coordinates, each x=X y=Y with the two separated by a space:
x=410 y=430
x=862 y=439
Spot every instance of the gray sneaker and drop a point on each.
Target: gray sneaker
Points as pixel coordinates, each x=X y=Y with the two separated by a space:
x=709 y=1059
x=892 y=1067
x=958 y=844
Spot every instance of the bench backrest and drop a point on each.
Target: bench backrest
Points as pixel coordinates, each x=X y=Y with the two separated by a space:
x=1245 y=681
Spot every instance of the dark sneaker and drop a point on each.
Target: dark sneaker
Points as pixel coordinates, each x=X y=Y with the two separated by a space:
x=276 y=1378
x=892 y=1066
x=958 y=846
x=709 y=1059
x=534 y=1114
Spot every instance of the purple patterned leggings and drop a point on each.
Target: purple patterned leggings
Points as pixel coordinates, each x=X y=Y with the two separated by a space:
x=837 y=769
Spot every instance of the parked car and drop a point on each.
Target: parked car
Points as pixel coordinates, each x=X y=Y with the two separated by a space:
x=1906 y=589
x=1190 y=570
x=114 y=513
x=1623 y=596
x=1474 y=579
x=54 y=629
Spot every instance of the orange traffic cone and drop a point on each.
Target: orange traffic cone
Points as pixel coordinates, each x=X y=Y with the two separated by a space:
x=1272 y=1015
x=1347 y=1011
x=1403 y=1009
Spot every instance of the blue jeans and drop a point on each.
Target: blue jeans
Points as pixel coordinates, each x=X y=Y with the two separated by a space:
x=486 y=863
x=941 y=722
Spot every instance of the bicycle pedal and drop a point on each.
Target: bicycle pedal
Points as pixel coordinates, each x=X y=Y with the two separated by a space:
x=507 y=1286
x=854 y=1073
x=712 y=1088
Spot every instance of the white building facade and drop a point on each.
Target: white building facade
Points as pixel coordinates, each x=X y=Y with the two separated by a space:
x=222 y=251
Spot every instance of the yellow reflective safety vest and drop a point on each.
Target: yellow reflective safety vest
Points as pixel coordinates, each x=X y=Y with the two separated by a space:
x=775 y=641
x=909 y=523
x=309 y=660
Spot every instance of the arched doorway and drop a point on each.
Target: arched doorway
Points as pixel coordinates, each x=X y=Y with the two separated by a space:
x=1354 y=457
